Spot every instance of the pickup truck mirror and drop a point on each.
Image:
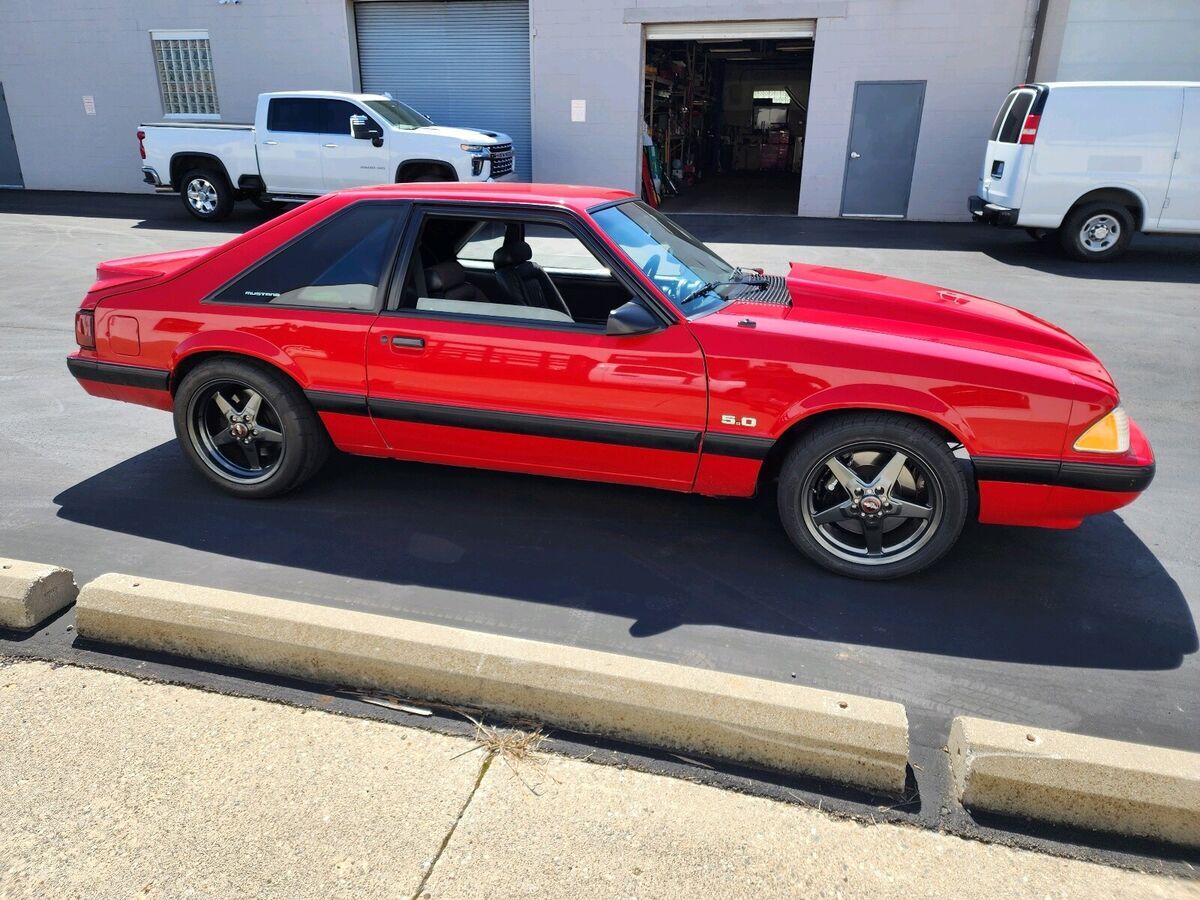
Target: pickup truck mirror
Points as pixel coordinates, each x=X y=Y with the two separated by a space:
x=363 y=129
x=631 y=318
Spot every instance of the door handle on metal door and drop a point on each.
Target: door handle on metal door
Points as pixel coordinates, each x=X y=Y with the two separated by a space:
x=270 y=143
x=329 y=145
x=854 y=155
x=407 y=342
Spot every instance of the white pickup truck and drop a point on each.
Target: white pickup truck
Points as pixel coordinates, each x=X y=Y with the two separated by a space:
x=303 y=144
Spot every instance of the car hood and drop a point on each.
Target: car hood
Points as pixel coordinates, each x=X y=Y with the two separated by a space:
x=865 y=302
x=466 y=135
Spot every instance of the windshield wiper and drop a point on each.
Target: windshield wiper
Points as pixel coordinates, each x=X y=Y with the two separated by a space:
x=755 y=279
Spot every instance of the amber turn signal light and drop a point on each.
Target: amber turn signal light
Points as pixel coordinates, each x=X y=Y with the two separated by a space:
x=1109 y=435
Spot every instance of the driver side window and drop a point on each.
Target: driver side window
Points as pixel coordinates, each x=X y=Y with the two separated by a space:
x=508 y=269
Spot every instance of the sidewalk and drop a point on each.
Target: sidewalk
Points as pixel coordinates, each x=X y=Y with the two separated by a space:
x=112 y=787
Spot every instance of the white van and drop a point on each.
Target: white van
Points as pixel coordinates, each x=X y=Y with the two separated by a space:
x=1094 y=161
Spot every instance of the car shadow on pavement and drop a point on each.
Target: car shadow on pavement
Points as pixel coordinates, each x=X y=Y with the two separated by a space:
x=1095 y=597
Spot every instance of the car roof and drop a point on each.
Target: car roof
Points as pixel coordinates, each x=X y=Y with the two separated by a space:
x=1118 y=84
x=572 y=196
x=335 y=95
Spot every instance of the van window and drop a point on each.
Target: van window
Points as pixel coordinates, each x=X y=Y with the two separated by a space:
x=1010 y=126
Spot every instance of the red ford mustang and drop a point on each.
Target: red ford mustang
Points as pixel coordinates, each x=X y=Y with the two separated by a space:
x=574 y=331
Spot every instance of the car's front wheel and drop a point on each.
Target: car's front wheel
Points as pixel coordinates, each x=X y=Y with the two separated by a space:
x=248 y=429
x=873 y=496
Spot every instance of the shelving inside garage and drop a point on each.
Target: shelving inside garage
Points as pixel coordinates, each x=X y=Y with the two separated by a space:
x=726 y=119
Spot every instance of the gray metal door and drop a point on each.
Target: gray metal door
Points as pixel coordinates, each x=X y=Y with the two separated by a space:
x=10 y=166
x=883 y=145
x=460 y=62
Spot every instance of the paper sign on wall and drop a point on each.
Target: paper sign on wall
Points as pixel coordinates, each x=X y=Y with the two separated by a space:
x=89 y=105
x=578 y=110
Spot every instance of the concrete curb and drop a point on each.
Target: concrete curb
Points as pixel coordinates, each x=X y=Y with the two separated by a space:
x=1072 y=779
x=31 y=592
x=844 y=738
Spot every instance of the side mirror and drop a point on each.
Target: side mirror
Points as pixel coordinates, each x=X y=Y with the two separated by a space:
x=631 y=318
x=363 y=129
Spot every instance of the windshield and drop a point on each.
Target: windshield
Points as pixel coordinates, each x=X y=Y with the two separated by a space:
x=679 y=264
x=396 y=113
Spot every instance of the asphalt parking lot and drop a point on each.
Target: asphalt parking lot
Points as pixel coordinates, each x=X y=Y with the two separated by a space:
x=1091 y=631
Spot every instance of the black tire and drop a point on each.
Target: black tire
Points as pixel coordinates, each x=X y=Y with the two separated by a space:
x=1087 y=231
x=919 y=517
x=206 y=194
x=282 y=433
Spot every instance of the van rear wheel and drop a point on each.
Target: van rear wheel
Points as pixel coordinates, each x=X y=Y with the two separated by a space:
x=1096 y=232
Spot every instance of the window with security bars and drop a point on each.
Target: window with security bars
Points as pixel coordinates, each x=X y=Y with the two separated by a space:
x=185 y=73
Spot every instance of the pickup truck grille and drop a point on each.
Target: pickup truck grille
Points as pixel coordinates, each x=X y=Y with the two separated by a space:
x=502 y=160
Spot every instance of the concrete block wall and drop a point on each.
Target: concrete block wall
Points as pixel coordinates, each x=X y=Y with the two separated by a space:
x=1117 y=40
x=969 y=53
x=54 y=52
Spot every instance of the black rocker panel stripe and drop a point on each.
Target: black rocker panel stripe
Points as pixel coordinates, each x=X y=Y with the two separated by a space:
x=650 y=437
x=739 y=445
x=1066 y=473
x=117 y=373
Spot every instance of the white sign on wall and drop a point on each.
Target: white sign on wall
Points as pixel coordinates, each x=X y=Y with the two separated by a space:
x=89 y=105
x=578 y=110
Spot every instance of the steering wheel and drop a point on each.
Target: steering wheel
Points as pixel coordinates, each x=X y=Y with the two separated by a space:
x=651 y=267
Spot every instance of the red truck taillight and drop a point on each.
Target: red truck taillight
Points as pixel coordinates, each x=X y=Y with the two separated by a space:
x=141 y=147
x=1029 y=129
x=85 y=329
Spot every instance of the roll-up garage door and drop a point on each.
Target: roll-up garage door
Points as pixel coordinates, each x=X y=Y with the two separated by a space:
x=460 y=62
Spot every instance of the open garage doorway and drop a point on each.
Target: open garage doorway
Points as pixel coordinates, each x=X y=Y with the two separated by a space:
x=724 y=116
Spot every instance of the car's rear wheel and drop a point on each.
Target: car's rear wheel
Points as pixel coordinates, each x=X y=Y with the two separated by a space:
x=206 y=194
x=1096 y=232
x=248 y=429
x=873 y=496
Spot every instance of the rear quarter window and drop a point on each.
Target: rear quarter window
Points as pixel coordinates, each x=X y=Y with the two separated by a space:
x=337 y=265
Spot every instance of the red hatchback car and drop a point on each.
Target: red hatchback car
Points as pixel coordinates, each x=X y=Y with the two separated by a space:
x=576 y=332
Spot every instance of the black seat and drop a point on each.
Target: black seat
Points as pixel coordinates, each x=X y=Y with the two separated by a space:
x=448 y=280
x=525 y=282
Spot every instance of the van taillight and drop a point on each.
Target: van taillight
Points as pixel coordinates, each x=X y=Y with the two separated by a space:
x=141 y=147
x=1029 y=129
x=85 y=329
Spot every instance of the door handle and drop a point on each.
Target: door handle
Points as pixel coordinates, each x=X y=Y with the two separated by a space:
x=270 y=143
x=408 y=342
x=854 y=155
x=331 y=146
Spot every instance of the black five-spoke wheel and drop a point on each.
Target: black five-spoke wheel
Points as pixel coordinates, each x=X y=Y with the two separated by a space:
x=873 y=495
x=248 y=428
x=238 y=434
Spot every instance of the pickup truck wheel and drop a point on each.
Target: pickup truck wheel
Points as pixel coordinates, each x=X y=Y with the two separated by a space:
x=1096 y=232
x=873 y=496
x=206 y=195
x=248 y=429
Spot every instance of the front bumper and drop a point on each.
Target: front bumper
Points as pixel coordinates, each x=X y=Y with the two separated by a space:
x=1060 y=493
x=982 y=211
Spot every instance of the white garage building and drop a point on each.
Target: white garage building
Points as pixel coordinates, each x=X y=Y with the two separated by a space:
x=815 y=107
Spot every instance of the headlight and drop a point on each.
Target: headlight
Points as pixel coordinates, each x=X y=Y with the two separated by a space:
x=1109 y=435
x=473 y=148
